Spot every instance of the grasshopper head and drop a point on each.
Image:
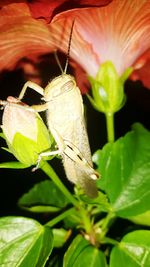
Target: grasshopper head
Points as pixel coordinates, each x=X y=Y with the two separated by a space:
x=59 y=86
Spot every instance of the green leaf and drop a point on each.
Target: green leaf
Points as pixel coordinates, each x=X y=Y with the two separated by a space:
x=73 y=220
x=45 y=194
x=40 y=209
x=12 y=165
x=24 y=242
x=143 y=218
x=60 y=237
x=132 y=251
x=55 y=261
x=125 y=170
x=81 y=253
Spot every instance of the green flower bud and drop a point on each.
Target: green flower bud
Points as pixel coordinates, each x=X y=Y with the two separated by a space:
x=108 y=88
x=25 y=132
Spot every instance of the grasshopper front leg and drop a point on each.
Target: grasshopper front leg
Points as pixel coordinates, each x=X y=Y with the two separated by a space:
x=45 y=154
x=38 y=89
x=33 y=86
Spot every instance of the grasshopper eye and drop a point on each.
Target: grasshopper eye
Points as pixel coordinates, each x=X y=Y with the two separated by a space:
x=67 y=86
x=63 y=89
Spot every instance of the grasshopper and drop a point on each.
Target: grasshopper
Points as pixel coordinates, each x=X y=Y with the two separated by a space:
x=65 y=119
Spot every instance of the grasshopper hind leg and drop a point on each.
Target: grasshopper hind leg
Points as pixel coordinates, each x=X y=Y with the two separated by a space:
x=89 y=186
x=79 y=177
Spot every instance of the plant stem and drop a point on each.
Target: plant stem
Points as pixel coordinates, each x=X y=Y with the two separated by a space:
x=110 y=126
x=60 y=217
x=52 y=175
x=107 y=222
x=108 y=240
x=85 y=219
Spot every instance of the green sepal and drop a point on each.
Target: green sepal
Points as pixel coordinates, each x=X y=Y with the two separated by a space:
x=2 y=135
x=24 y=149
x=27 y=150
x=101 y=201
x=126 y=74
x=7 y=149
x=12 y=165
x=93 y=103
x=108 y=88
x=44 y=137
x=99 y=99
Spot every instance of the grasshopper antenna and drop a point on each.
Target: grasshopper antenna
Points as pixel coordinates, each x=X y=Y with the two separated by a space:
x=69 y=46
x=58 y=61
x=68 y=52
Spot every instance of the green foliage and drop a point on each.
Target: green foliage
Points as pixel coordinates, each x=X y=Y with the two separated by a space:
x=125 y=168
x=82 y=232
x=43 y=197
x=132 y=251
x=81 y=253
x=24 y=242
x=101 y=201
x=125 y=171
x=143 y=218
x=60 y=237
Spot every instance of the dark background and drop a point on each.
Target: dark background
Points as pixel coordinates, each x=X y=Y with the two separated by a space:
x=14 y=183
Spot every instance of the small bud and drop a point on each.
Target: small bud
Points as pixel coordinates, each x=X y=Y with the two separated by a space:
x=108 y=88
x=25 y=132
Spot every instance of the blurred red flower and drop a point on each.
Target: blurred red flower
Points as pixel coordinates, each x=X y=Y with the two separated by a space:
x=118 y=31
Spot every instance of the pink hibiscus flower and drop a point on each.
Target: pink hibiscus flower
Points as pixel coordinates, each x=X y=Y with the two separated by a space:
x=118 y=31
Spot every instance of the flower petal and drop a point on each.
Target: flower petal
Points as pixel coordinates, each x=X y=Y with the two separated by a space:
x=21 y=35
x=6 y=2
x=47 y=9
x=81 y=50
x=142 y=70
x=81 y=77
x=119 y=32
x=25 y=121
